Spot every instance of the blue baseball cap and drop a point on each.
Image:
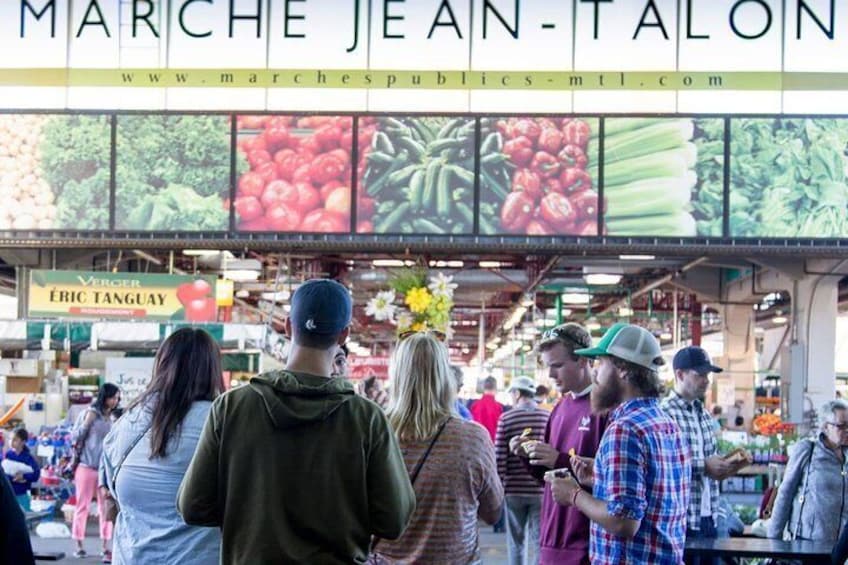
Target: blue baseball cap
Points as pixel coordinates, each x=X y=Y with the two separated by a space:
x=321 y=306
x=694 y=358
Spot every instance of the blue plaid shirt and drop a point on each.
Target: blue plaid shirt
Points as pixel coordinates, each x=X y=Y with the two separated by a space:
x=642 y=473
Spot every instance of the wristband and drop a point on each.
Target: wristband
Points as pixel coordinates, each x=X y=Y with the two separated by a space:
x=574 y=496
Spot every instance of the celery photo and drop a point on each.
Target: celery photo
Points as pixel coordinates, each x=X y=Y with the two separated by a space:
x=663 y=177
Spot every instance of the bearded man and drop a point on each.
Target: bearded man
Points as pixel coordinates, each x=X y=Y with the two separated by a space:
x=640 y=479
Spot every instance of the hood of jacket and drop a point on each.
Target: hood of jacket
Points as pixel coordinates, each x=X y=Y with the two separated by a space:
x=296 y=399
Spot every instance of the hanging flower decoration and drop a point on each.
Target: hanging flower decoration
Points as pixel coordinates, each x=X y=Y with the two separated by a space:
x=382 y=307
x=427 y=301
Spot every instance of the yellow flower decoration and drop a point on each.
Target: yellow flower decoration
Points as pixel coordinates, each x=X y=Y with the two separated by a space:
x=418 y=299
x=418 y=327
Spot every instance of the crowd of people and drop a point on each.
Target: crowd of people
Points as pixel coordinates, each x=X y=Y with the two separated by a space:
x=299 y=467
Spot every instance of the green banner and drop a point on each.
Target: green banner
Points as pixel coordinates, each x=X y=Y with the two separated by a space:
x=76 y=294
x=428 y=80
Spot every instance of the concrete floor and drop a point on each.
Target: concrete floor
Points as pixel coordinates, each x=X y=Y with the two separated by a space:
x=493 y=547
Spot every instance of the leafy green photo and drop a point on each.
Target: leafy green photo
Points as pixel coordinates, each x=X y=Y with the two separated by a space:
x=172 y=173
x=788 y=177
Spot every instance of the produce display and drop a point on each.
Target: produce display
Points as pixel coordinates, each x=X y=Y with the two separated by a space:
x=536 y=176
x=294 y=173
x=663 y=177
x=416 y=175
x=172 y=173
x=54 y=172
x=788 y=177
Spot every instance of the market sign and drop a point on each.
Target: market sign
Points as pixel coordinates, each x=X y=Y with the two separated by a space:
x=77 y=294
x=379 y=55
x=371 y=366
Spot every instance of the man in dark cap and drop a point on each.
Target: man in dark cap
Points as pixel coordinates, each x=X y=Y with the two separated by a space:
x=685 y=405
x=295 y=467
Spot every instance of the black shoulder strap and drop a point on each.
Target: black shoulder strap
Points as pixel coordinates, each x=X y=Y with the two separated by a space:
x=414 y=474
x=417 y=470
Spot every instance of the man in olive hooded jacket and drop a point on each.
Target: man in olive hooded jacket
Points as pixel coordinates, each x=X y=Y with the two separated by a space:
x=295 y=467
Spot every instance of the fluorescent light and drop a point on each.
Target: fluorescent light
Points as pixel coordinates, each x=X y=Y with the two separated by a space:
x=780 y=319
x=575 y=298
x=241 y=275
x=387 y=263
x=592 y=324
x=625 y=311
x=759 y=330
x=527 y=348
x=601 y=279
x=540 y=322
x=491 y=346
x=242 y=293
x=451 y=264
x=287 y=307
x=527 y=300
x=637 y=257
x=490 y=264
x=200 y=252
x=666 y=335
x=278 y=296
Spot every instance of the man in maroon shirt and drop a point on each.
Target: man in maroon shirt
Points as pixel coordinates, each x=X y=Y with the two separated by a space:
x=487 y=410
x=564 y=537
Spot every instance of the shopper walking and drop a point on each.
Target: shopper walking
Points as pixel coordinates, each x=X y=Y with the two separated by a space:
x=641 y=473
x=22 y=481
x=572 y=427
x=812 y=500
x=451 y=462
x=148 y=451
x=685 y=405
x=523 y=492
x=90 y=430
x=461 y=409
x=296 y=467
x=487 y=410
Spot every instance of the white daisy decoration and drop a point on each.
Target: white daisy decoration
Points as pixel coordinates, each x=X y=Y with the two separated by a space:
x=382 y=306
x=404 y=321
x=440 y=285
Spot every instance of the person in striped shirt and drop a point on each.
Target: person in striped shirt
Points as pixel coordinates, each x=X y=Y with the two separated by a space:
x=458 y=482
x=523 y=492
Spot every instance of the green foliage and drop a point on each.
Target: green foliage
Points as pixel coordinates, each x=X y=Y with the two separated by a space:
x=75 y=160
x=178 y=207
x=84 y=204
x=788 y=178
x=708 y=196
x=404 y=281
x=155 y=152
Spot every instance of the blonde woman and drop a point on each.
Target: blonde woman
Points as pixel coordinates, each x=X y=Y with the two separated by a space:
x=457 y=480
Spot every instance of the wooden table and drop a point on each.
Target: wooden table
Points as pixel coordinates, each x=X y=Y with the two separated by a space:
x=805 y=551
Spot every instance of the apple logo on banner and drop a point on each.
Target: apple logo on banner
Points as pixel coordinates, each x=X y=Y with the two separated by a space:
x=198 y=305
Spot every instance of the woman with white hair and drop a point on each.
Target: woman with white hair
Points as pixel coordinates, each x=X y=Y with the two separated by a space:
x=812 y=501
x=451 y=462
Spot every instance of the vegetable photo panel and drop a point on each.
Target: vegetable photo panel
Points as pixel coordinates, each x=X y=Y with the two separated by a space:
x=416 y=175
x=54 y=171
x=172 y=173
x=788 y=177
x=538 y=176
x=663 y=177
x=294 y=173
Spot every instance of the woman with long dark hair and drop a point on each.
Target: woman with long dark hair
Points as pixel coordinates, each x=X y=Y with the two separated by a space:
x=90 y=430
x=149 y=449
